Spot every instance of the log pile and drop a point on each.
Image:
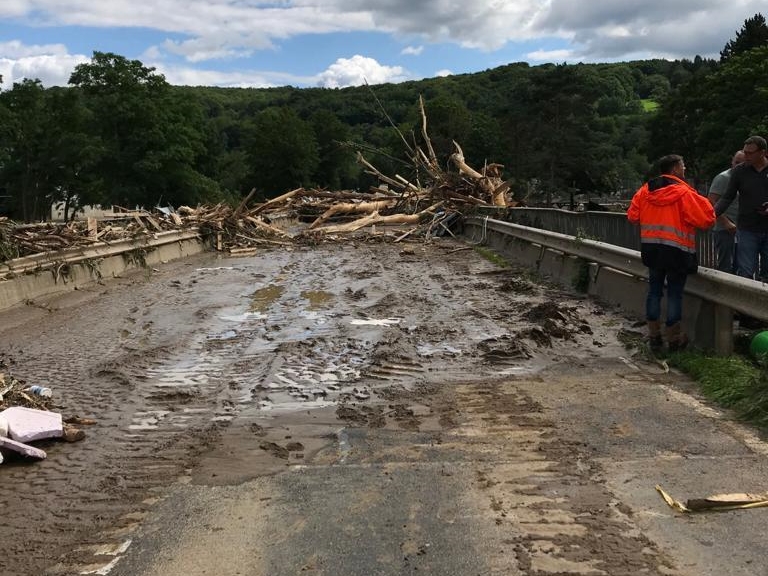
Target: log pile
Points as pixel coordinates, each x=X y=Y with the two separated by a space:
x=17 y=240
x=427 y=204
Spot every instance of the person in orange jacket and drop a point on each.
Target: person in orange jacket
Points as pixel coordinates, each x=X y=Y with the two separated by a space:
x=668 y=211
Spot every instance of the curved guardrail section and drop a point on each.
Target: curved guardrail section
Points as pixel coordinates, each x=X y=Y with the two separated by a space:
x=29 y=277
x=719 y=293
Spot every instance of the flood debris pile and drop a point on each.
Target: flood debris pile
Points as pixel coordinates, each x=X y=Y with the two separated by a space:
x=18 y=240
x=26 y=416
x=430 y=202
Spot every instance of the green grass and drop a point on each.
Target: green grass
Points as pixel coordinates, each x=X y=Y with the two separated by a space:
x=491 y=256
x=735 y=382
x=649 y=105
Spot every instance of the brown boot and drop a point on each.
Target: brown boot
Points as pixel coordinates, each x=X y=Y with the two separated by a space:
x=676 y=338
x=654 y=336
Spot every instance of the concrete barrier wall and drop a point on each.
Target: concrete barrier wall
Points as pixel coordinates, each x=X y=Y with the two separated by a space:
x=61 y=274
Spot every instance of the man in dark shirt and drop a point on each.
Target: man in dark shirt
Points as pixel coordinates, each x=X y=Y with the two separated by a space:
x=750 y=181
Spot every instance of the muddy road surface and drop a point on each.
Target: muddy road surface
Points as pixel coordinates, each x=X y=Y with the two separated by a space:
x=364 y=408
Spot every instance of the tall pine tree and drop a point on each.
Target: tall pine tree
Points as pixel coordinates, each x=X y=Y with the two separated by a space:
x=753 y=34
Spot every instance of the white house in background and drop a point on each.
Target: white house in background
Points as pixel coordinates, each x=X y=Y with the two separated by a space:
x=57 y=212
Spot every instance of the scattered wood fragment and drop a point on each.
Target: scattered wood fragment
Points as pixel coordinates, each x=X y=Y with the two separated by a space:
x=716 y=502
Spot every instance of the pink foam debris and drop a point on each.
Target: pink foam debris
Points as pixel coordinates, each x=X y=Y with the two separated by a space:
x=30 y=451
x=28 y=424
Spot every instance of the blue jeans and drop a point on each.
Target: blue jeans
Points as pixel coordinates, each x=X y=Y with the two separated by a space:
x=725 y=248
x=675 y=285
x=752 y=246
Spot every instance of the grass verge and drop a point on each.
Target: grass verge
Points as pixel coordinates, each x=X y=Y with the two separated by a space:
x=735 y=382
x=491 y=256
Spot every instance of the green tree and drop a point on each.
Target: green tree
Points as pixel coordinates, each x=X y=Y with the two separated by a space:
x=48 y=150
x=151 y=135
x=336 y=163
x=675 y=126
x=753 y=34
x=735 y=106
x=24 y=172
x=282 y=151
x=562 y=105
x=448 y=119
x=72 y=151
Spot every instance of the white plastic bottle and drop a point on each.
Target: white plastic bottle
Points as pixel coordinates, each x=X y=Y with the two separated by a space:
x=40 y=391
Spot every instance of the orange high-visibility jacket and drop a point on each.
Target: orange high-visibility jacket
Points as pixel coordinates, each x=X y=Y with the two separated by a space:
x=669 y=211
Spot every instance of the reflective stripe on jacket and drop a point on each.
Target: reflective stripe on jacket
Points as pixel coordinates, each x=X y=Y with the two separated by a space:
x=669 y=211
x=669 y=236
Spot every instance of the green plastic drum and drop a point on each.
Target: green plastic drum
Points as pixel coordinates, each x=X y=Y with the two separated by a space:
x=759 y=345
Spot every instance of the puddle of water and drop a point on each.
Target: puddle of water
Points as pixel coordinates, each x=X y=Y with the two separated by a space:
x=291 y=406
x=149 y=420
x=263 y=298
x=516 y=371
x=375 y=322
x=226 y=335
x=244 y=317
x=179 y=377
x=223 y=418
x=315 y=316
x=216 y=269
x=428 y=350
x=317 y=298
x=344 y=447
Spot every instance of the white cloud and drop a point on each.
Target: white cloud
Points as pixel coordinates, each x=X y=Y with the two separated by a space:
x=13 y=8
x=193 y=77
x=209 y=30
x=187 y=76
x=412 y=50
x=15 y=49
x=50 y=69
x=203 y=49
x=606 y=29
x=215 y=28
x=443 y=73
x=358 y=70
x=550 y=55
x=482 y=24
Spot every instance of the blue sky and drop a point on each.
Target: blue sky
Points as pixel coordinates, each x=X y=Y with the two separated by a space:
x=338 y=43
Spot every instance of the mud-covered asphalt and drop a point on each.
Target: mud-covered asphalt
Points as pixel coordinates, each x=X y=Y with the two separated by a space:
x=363 y=408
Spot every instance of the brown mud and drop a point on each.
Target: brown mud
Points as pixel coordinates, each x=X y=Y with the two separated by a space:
x=215 y=371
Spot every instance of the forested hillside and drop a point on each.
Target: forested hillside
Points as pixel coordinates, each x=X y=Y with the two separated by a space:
x=120 y=134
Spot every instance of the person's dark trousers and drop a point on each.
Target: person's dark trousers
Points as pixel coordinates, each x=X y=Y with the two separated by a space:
x=675 y=286
x=752 y=246
x=725 y=248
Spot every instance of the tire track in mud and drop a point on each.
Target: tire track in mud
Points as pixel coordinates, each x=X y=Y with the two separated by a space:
x=99 y=357
x=172 y=363
x=542 y=491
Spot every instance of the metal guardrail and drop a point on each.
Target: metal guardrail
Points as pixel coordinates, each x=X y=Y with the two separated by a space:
x=35 y=262
x=610 y=227
x=737 y=293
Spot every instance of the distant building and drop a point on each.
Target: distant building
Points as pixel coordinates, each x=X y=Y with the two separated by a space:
x=57 y=212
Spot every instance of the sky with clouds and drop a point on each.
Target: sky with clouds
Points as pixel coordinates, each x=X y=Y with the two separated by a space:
x=338 y=43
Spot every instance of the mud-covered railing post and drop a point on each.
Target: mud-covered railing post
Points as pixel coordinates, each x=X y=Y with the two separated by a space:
x=723 y=330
